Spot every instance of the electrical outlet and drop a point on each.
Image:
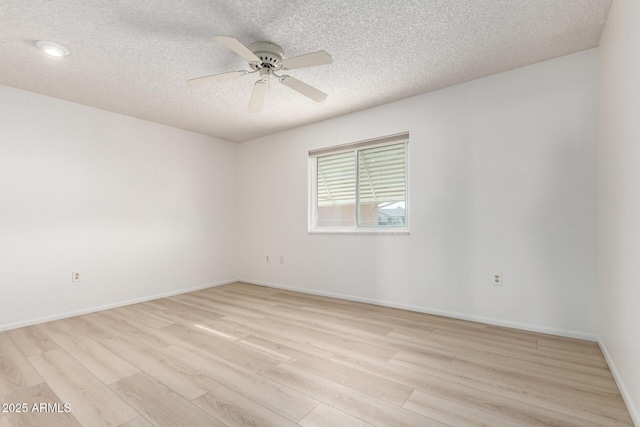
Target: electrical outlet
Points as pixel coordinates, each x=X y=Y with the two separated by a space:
x=75 y=277
x=281 y=259
x=497 y=279
x=267 y=260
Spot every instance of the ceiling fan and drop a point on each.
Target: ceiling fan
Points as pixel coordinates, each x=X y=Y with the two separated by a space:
x=266 y=59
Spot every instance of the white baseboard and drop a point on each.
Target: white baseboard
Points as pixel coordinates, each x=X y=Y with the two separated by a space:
x=633 y=411
x=385 y=303
x=428 y=310
x=93 y=309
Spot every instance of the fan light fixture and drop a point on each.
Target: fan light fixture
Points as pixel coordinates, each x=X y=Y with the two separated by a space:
x=267 y=59
x=52 y=49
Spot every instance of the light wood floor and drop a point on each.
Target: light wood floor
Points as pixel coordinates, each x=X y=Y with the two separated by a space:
x=253 y=356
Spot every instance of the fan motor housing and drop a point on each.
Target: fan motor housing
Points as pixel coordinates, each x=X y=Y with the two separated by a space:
x=270 y=55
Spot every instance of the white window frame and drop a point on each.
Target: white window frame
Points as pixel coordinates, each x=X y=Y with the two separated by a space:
x=354 y=147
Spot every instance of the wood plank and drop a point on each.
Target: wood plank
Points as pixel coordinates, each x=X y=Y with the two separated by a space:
x=418 y=361
x=586 y=349
x=220 y=306
x=460 y=343
x=98 y=360
x=154 y=338
x=510 y=409
x=178 y=312
x=246 y=354
x=357 y=404
x=329 y=341
x=245 y=288
x=320 y=303
x=282 y=352
x=324 y=415
x=280 y=399
x=323 y=320
x=91 y=327
x=365 y=382
x=112 y=321
x=16 y=372
x=572 y=402
x=233 y=409
x=399 y=318
x=527 y=370
x=31 y=340
x=159 y=404
x=279 y=337
x=179 y=377
x=452 y=413
x=240 y=302
x=481 y=338
x=528 y=355
x=225 y=306
x=53 y=413
x=92 y=402
x=224 y=348
x=138 y=422
x=139 y=318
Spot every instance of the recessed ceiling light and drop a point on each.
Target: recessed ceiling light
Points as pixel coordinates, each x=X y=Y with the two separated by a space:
x=52 y=49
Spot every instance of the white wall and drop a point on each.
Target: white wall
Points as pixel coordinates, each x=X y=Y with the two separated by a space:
x=619 y=198
x=502 y=179
x=139 y=209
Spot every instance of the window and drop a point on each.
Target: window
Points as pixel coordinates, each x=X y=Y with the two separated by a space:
x=360 y=187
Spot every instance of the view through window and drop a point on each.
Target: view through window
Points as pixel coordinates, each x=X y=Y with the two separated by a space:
x=360 y=186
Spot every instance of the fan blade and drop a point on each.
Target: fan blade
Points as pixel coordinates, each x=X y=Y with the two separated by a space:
x=309 y=60
x=237 y=47
x=257 y=95
x=303 y=88
x=208 y=79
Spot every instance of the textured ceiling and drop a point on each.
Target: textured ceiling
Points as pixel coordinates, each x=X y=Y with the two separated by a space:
x=134 y=56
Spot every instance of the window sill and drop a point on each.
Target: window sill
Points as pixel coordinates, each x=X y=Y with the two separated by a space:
x=366 y=231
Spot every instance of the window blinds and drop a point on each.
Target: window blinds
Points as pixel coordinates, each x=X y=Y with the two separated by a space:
x=376 y=168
